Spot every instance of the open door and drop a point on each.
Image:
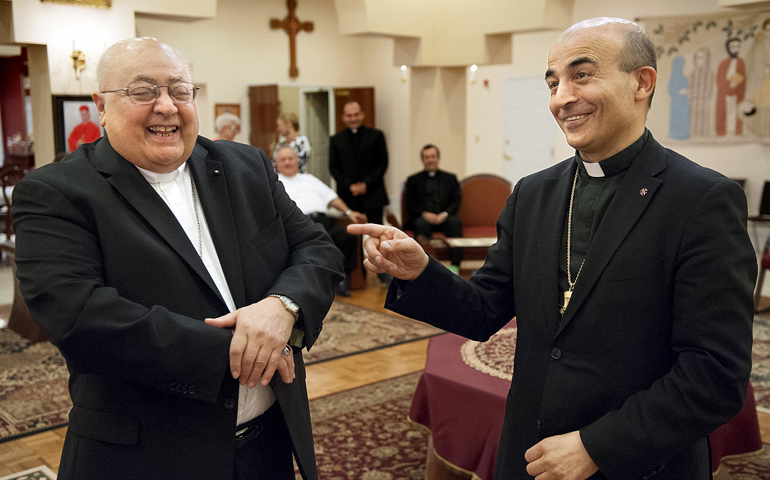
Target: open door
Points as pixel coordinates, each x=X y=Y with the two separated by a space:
x=363 y=95
x=263 y=111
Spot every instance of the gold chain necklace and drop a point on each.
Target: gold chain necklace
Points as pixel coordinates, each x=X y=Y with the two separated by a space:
x=568 y=292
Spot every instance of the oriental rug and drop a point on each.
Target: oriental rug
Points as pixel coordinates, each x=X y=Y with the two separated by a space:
x=38 y=473
x=364 y=433
x=33 y=387
x=33 y=377
x=760 y=370
x=350 y=329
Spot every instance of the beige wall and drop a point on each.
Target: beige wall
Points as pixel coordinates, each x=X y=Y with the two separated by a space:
x=485 y=136
x=438 y=106
x=236 y=48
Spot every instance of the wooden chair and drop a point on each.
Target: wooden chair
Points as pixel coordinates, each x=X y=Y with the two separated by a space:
x=483 y=198
x=9 y=176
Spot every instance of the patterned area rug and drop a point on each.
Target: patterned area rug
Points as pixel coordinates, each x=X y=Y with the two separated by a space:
x=39 y=473
x=33 y=387
x=350 y=329
x=364 y=433
x=33 y=378
x=760 y=371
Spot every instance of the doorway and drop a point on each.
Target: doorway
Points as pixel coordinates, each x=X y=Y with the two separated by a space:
x=316 y=120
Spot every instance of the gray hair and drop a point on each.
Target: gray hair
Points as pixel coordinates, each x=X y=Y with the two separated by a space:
x=226 y=119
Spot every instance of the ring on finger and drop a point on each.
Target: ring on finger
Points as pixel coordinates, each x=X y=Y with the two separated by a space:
x=286 y=351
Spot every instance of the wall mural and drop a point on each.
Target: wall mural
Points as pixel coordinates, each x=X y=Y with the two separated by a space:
x=716 y=71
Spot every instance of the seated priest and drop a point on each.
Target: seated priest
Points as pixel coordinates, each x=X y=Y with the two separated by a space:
x=432 y=199
x=314 y=197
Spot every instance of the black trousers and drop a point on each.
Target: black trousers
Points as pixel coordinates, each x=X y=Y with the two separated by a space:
x=266 y=454
x=452 y=228
x=343 y=240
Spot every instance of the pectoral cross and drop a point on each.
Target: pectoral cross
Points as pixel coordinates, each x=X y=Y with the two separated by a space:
x=292 y=26
x=567 y=296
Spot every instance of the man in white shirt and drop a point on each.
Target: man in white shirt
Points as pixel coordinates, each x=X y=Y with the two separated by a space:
x=314 y=197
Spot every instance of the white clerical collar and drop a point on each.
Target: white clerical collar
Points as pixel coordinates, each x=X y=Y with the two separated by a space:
x=354 y=130
x=155 y=177
x=593 y=169
x=432 y=173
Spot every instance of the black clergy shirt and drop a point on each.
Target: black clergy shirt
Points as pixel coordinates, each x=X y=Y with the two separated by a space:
x=593 y=195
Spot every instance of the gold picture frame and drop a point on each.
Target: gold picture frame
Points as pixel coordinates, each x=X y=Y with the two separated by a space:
x=83 y=3
x=234 y=108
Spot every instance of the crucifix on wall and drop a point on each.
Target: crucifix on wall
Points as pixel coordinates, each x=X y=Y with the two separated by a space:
x=292 y=26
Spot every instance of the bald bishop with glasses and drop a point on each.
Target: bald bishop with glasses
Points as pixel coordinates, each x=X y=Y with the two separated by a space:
x=180 y=283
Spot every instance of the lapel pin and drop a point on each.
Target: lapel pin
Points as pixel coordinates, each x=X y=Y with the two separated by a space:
x=643 y=192
x=216 y=172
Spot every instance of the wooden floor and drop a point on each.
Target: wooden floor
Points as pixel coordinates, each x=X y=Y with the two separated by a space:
x=323 y=379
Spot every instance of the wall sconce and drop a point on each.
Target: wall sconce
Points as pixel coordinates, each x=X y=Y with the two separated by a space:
x=78 y=62
x=403 y=73
x=474 y=67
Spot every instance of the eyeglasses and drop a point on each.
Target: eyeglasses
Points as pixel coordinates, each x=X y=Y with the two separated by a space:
x=147 y=94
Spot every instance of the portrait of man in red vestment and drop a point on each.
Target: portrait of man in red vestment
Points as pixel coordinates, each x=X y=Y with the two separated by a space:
x=84 y=132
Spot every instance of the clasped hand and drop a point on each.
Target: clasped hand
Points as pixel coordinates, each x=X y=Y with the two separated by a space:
x=358 y=188
x=391 y=251
x=434 y=218
x=561 y=457
x=262 y=330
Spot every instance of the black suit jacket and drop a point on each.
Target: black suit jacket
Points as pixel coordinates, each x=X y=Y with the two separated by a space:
x=111 y=276
x=448 y=194
x=653 y=352
x=367 y=163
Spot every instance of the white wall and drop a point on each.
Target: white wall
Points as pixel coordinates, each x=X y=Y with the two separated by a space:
x=392 y=104
x=749 y=161
x=237 y=48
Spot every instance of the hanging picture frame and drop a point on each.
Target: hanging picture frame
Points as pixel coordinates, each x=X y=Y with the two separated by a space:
x=75 y=121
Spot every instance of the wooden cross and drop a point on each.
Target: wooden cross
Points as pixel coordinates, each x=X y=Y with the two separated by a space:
x=292 y=26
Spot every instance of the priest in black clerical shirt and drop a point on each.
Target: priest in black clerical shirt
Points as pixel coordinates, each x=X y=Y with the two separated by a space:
x=432 y=198
x=630 y=273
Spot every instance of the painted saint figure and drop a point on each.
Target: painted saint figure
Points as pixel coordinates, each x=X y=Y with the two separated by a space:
x=757 y=104
x=678 y=88
x=731 y=90
x=701 y=90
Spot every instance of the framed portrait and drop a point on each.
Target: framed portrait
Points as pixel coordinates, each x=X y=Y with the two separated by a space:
x=75 y=121
x=83 y=3
x=220 y=108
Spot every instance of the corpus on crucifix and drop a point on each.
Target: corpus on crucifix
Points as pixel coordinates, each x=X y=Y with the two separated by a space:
x=292 y=26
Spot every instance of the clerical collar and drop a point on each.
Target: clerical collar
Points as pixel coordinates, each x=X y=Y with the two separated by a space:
x=354 y=130
x=432 y=174
x=617 y=163
x=155 y=177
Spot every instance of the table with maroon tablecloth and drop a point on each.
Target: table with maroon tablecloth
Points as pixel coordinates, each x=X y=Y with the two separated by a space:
x=461 y=399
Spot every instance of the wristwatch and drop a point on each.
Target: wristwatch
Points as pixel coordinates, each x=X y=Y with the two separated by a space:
x=288 y=304
x=347 y=214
